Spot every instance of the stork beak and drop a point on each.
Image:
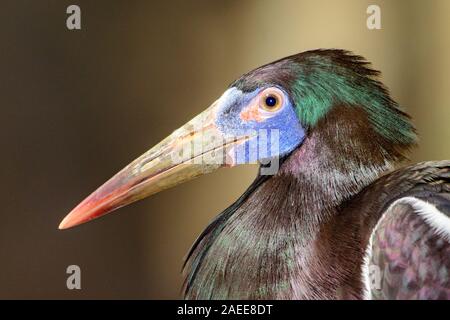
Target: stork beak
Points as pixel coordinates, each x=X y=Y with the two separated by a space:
x=195 y=149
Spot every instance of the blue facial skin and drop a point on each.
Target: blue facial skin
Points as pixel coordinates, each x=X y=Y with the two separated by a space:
x=284 y=122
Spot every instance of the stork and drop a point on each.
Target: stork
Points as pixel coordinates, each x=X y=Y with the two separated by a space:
x=337 y=205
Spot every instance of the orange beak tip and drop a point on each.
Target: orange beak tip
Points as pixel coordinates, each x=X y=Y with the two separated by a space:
x=65 y=223
x=76 y=217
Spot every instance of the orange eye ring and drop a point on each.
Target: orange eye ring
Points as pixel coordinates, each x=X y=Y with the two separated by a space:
x=271 y=99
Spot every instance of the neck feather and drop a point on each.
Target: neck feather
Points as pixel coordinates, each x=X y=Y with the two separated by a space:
x=269 y=244
x=340 y=156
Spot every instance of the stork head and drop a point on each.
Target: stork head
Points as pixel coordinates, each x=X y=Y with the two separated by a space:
x=263 y=116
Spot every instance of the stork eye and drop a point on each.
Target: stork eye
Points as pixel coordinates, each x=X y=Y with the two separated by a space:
x=271 y=99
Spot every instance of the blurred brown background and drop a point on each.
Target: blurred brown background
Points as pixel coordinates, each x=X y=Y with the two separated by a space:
x=77 y=106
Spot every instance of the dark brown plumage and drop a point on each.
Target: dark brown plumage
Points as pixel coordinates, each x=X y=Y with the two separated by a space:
x=304 y=233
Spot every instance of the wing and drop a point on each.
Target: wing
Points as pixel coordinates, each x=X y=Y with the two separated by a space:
x=409 y=249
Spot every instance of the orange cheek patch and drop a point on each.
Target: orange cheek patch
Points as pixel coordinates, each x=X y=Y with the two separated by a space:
x=251 y=113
